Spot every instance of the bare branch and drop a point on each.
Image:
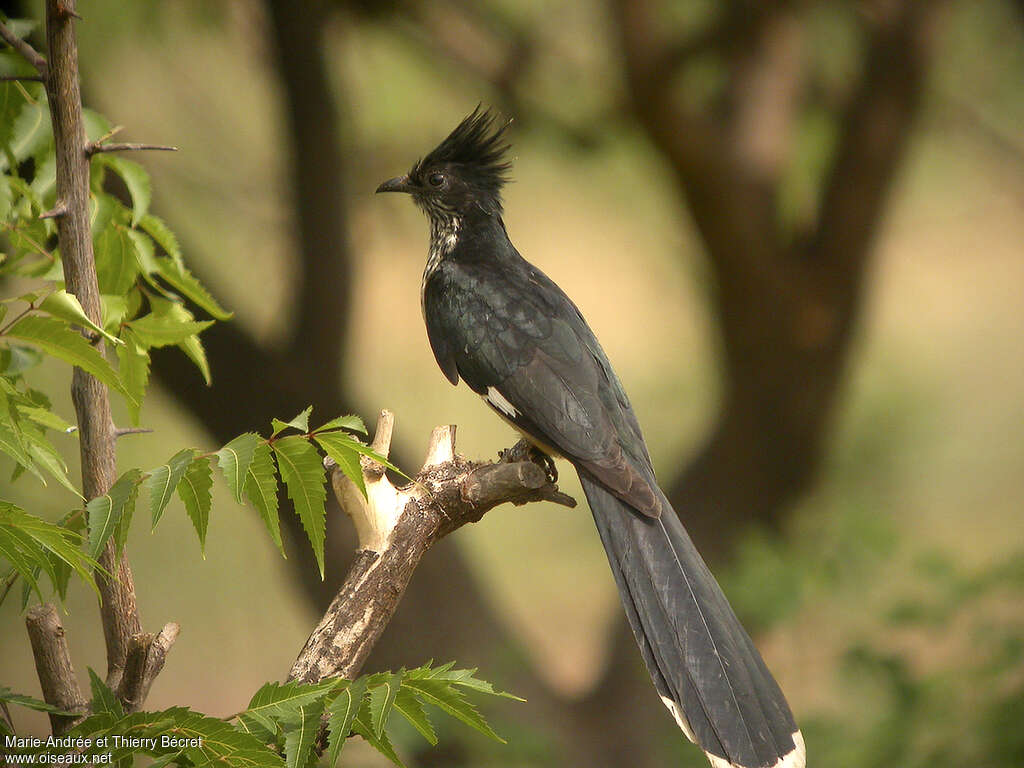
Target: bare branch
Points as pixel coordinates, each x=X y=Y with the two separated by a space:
x=30 y=54
x=94 y=147
x=122 y=431
x=396 y=527
x=118 y=608
x=53 y=665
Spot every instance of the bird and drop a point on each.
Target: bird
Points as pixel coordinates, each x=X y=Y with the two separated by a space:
x=503 y=327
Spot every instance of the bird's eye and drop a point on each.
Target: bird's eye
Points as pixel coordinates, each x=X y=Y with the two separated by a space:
x=436 y=179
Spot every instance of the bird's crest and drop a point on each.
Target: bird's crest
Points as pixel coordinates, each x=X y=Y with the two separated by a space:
x=477 y=147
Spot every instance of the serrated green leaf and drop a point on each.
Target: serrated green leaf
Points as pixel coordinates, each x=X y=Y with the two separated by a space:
x=300 y=422
x=276 y=700
x=45 y=418
x=163 y=480
x=117 y=266
x=341 y=712
x=133 y=366
x=137 y=181
x=351 y=443
x=234 y=460
x=465 y=678
x=115 y=311
x=261 y=490
x=183 y=281
x=162 y=234
x=155 y=330
x=62 y=544
x=443 y=696
x=300 y=734
x=25 y=563
x=102 y=208
x=47 y=457
x=382 y=699
x=381 y=743
x=194 y=490
x=304 y=478
x=193 y=349
x=350 y=421
x=145 y=252
x=8 y=696
x=103 y=699
x=412 y=710
x=347 y=459
x=56 y=337
x=66 y=306
x=105 y=512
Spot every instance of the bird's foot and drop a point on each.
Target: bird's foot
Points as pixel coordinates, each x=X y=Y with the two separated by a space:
x=524 y=450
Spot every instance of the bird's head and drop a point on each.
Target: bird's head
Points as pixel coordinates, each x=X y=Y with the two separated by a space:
x=465 y=172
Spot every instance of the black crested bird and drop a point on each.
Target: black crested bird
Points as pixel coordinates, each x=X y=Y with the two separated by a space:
x=517 y=340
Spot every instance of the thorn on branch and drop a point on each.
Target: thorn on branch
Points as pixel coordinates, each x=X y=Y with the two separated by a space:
x=67 y=12
x=60 y=209
x=122 y=431
x=94 y=147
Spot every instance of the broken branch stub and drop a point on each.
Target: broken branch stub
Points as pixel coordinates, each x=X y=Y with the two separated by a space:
x=396 y=526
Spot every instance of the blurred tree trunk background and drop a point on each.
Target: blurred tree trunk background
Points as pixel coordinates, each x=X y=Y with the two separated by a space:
x=724 y=94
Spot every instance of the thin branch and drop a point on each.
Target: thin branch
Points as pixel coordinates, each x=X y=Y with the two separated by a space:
x=30 y=54
x=94 y=147
x=53 y=665
x=122 y=431
x=118 y=608
x=396 y=526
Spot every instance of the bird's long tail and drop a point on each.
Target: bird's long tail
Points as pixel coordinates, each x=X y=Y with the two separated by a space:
x=703 y=663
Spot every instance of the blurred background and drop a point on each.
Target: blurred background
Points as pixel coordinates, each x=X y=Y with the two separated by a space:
x=797 y=229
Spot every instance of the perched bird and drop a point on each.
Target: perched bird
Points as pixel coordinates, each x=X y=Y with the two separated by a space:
x=502 y=326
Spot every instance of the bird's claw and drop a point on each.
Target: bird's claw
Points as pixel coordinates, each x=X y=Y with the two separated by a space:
x=527 y=451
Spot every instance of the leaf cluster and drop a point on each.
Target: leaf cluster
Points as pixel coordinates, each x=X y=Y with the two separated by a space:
x=286 y=725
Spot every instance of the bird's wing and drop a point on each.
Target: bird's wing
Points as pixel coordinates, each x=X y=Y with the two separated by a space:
x=523 y=345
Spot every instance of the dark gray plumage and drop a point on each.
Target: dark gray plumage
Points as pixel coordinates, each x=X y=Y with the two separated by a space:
x=498 y=323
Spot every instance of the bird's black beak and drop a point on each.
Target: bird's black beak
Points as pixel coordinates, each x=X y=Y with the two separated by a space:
x=397 y=184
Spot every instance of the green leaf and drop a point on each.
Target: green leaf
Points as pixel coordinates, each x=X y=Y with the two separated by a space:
x=382 y=699
x=62 y=543
x=46 y=456
x=164 y=479
x=443 y=696
x=45 y=418
x=133 y=366
x=137 y=181
x=381 y=743
x=361 y=448
x=339 y=448
x=105 y=512
x=276 y=700
x=155 y=330
x=31 y=130
x=162 y=234
x=235 y=458
x=300 y=422
x=261 y=490
x=56 y=337
x=15 y=359
x=193 y=349
x=183 y=281
x=412 y=710
x=304 y=478
x=117 y=266
x=342 y=712
x=66 y=306
x=9 y=697
x=103 y=699
x=300 y=736
x=194 y=490
x=26 y=563
x=351 y=421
